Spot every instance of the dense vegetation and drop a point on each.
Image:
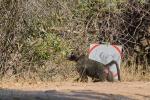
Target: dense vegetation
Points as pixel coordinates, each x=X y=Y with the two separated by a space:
x=36 y=35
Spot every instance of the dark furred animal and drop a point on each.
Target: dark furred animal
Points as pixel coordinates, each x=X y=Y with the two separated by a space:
x=86 y=67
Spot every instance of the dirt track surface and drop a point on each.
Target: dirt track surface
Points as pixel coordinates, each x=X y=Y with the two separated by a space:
x=75 y=91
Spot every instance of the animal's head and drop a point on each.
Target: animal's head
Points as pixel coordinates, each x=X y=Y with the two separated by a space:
x=74 y=56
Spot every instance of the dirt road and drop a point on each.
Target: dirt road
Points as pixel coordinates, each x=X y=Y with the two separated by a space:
x=75 y=91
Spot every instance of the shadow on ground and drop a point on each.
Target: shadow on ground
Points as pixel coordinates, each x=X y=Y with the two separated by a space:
x=7 y=94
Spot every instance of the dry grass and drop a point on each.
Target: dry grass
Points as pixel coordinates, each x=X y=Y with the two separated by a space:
x=66 y=73
x=129 y=73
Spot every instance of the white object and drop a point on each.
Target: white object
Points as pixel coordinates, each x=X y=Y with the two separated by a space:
x=105 y=54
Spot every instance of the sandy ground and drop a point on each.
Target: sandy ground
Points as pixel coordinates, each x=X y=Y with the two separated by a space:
x=75 y=91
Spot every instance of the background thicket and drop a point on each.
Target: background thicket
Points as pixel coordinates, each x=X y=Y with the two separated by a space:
x=37 y=35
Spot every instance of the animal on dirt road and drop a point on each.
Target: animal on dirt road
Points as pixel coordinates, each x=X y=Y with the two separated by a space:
x=90 y=68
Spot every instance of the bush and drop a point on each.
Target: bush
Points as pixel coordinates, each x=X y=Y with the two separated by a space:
x=36 y=35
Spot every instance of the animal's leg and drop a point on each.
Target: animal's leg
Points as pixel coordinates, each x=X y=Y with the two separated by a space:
x=77 y=79
x=81 y=79
x=110 y=77
x=84 y=78
x=96 y=80
x=111 y=74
